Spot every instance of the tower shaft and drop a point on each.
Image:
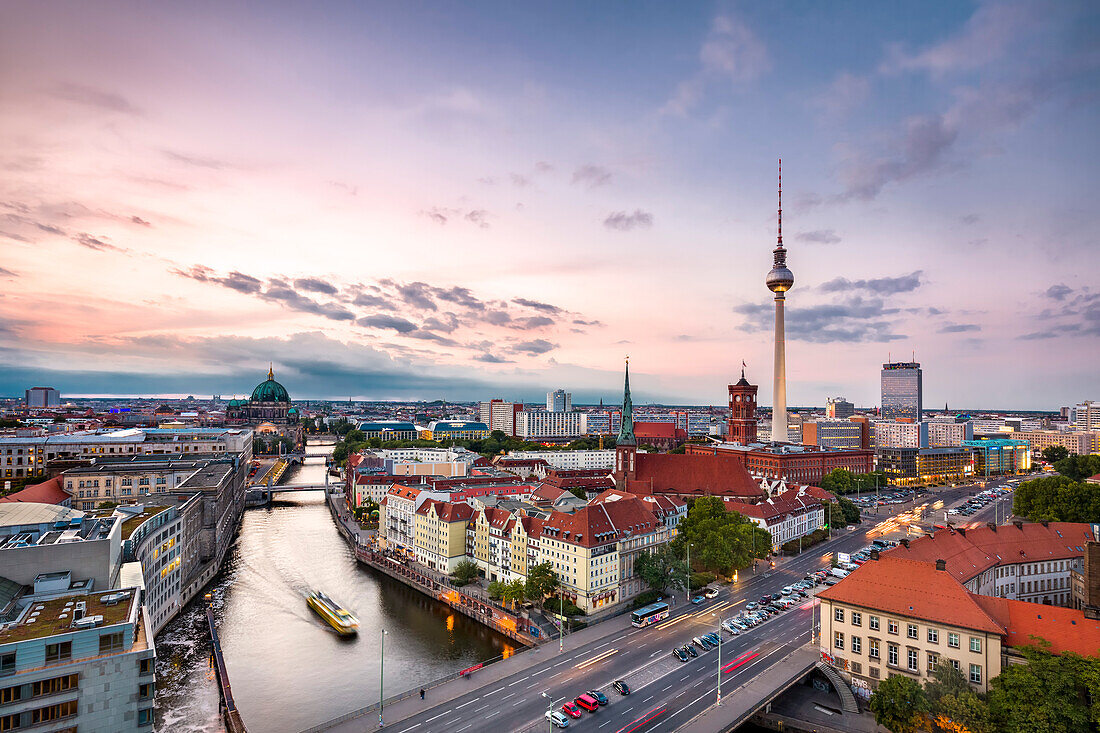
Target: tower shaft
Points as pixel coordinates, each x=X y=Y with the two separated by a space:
x=779 y=385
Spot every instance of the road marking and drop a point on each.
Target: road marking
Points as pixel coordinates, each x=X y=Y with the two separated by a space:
x=684 y=677
x=468 y=703
x=530 y=685
x=601 y=646
x=598 y=658
x=517 y=702
x=463 y=728
x=665 y=689
x=411 y=727
x=559 y=664
x=507 y=696
x=651 y=656
x=647 y=699
x=491 y=714
x=603 y=724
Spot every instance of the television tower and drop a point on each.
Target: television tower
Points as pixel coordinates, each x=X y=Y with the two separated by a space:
x=779 y=281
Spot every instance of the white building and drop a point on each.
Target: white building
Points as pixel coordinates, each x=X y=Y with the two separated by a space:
x=41 y=398
x=890 y=434
x=1087 y=415
x=500 y=415
x=533 y=425
x=787 y=515
x=559 y=401
x=948 y=433
x=571 y=459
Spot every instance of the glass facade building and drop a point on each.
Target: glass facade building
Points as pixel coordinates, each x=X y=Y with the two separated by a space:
x=902 y=391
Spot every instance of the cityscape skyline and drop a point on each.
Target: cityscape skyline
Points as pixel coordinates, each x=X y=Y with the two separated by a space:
x=424 y=233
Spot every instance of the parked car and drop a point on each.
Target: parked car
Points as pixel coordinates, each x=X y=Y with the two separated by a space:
x=599 y=696
x=698 y=599
x=557 y=718
x=621 y=687
x=752 y=606
x=680 y=654
x=711 y=593
x=690 y=650
x=588 y=702
x=713 y=637
x=571 y=710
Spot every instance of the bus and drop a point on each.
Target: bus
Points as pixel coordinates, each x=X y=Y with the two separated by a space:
x=650 y=614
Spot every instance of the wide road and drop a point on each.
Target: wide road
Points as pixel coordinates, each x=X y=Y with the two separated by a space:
x=666 y=693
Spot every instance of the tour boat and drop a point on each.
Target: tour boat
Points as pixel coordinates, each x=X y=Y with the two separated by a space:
x=338 y=618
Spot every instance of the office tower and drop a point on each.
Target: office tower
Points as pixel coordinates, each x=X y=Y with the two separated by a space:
x=42 y=398
x=559 y=401
x=902 y=391
x=779 y=281
x=1087 y=415
x=839 y=408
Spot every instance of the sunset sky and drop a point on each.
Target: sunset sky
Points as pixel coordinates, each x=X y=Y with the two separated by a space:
x=473 y=200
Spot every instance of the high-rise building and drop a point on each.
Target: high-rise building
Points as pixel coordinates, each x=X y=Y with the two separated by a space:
x=779 y=281
x=839 y=408
x=500 y=415
x=902 y=391
x=1087 y=415
x=537 y=424
x=41 y=398
x=559 y=401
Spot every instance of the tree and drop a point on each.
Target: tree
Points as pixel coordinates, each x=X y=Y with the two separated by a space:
x=1058 y=499
x=541 y=581
x=965 y=712
x=899 y=704
x=465 y=571
x=661 y=569
x=497 y=590
x=1078 y=468
x=849 y=510
x=1049 y=694
x=945 y=680
x=515 y=591
x=838 y=481
x=720 y=540
x=1055 y=453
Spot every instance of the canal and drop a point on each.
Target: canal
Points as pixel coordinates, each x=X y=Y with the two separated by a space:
x=288 y=670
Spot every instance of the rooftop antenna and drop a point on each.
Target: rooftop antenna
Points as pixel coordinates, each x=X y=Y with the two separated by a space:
x=780 y=229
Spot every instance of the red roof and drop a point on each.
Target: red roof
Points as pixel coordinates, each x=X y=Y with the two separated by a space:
x=601 y=524
x=48 y=492
x=914 y=589
x=1066 y=629
x=970 y=552
x=447 y=511
x=692 y=475
x=790 y=502
x=664 y=430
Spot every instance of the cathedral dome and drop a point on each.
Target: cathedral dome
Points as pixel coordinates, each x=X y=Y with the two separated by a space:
x=270 y=390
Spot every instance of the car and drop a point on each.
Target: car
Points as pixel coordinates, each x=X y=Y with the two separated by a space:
x=588 y=702
x=711 y=593
x=765 y=600
x=571 y=710
x=776 y=596
x=786 y=591
x=621 y=687
x=599 y=696
x=557 y=718
x=697 y=600
x=702 y=643
x=690 y=650
x=731 y=627
x=713 y=637
x=680 y=654
x=752 y=606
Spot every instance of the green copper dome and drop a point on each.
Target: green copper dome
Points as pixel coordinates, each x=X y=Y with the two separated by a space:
x=270 y=391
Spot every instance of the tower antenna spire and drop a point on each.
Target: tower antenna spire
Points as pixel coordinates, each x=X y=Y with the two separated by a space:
x=780 y=202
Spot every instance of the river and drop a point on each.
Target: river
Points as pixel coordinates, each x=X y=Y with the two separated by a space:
x=288 y=670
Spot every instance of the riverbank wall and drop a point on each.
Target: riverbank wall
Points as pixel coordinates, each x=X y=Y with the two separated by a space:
x=232 y=716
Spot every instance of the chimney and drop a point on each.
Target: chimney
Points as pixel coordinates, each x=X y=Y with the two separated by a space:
x=1019 y=524
x=992 y=525
x=874 y=554
x=941 y=565
x=905 y=543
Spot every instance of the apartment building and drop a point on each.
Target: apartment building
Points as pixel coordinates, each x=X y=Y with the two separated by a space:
x=440 y=533
x=119 y=479
x=1081 y=442
x=892 y=434
x=949 y=432
x=539 y=424
x=787 y=515
x=74 y=661
x=836 y=433
x=500 y=415
x=570 y=459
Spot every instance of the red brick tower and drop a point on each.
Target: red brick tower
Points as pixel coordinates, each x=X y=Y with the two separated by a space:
x=742 y=424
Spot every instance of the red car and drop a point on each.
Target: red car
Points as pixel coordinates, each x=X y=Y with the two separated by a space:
x=571 y=710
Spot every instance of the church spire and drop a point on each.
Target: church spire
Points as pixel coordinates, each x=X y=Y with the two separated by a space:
x=270 y=370
x=626 y=430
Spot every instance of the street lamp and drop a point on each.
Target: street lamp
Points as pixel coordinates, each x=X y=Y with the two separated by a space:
x=381 y=675
x=718 y=619
x=551 y=702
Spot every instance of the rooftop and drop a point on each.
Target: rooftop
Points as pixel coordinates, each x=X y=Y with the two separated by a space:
x=54 y=616
x=136 y=520
x=17 y=514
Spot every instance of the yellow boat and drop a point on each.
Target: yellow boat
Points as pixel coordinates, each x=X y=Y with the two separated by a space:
x=338 y=618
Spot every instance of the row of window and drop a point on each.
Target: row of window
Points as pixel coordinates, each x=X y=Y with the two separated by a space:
x=41 y=688
x=892 y=656
x=911 y=630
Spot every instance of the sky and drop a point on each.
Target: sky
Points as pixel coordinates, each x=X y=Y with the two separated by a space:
x=408 y=200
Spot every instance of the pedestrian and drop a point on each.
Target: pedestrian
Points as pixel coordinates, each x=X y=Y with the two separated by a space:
x=421 y=693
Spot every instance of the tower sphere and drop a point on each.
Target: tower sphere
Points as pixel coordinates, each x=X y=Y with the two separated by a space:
x=780 y=279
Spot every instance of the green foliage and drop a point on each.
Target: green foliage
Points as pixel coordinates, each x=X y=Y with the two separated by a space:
x=1055 y=453
x=464 y=572
x=541 y=581
x=678 y=450
x=515 y=591
x=945 y=680
x=496 y=590
x=341 y=426
x=1077 y=467
x=849 y=510
x=644 y=599
x=661 y=569
x=578 y=492
x=6 y=422
x=899 y=704
x=262 y=446
x=842 y=481
x=1057 y=499
x=1049 y=694
x=701 y=580
x=720 y=541
x=811 y=539
x=562 y=607
x=966 y=712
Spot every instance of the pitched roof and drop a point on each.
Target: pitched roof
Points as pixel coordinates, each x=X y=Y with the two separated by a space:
x=1066 y=629
x=447 y=511
x=665 y=430
x=794 y=501
x=47 y=492
x=914 y=589
x=687 y=474
x=601 y=524
x=970 y=552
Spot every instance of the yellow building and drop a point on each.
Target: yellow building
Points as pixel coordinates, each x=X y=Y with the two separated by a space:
x=440 y=534
x=444 y=430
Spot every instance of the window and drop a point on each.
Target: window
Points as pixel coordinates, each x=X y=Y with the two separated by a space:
x=952 y=640
x=857 y=668
x=872 y=648
x=914 y=662
x=874 y=672
x=54 y=686
x=838 y=614
x=7 y=663
x=61 y=652
x=932 y=657
x=933 y=636
x=145 y=691
x=838 y=639
x=8 y=695
x=857 y=618
x=892 y=654
x=911 y=631
x=54 y=712
x=976 y=674
x=892 y=626
x=110 y=643
x=872 y=623
x=145 y=717
x=857 y=645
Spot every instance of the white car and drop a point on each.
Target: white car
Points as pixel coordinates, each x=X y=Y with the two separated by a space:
x=711 y=593
x=557 y=718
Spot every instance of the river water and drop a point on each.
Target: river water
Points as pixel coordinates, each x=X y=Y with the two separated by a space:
x=288 y=670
